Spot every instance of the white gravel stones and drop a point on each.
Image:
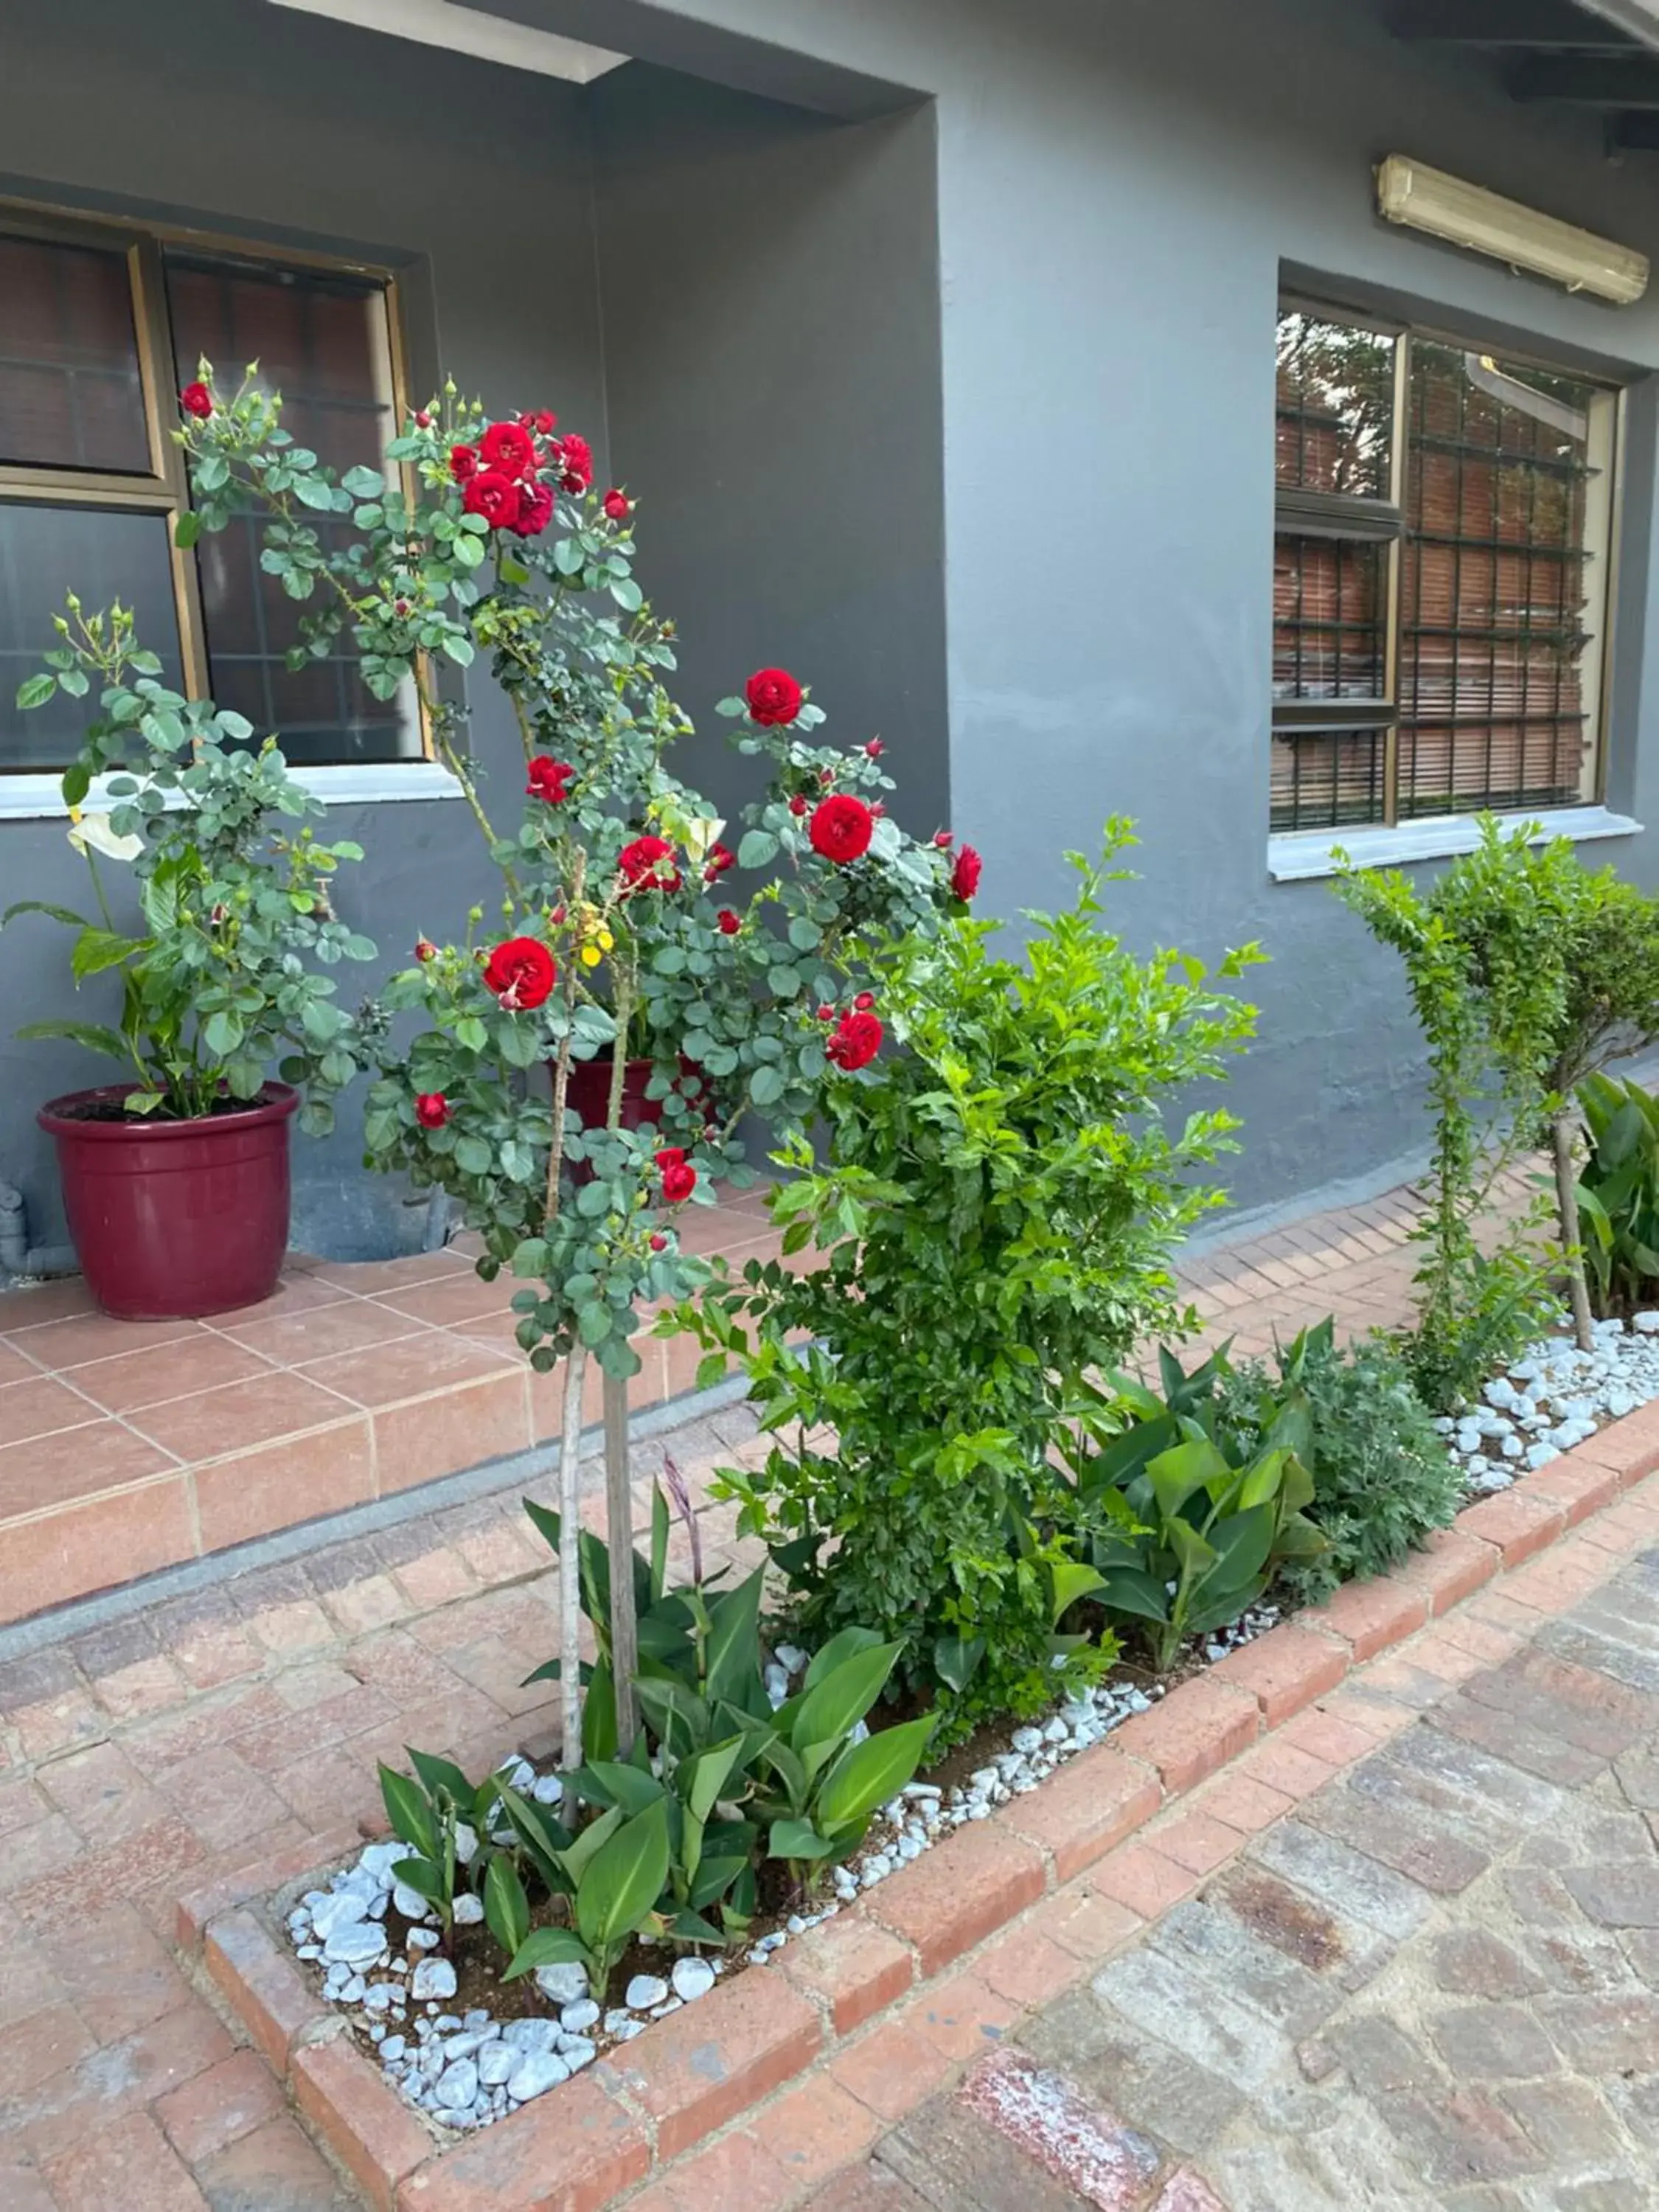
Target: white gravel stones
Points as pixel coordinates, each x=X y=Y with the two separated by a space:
x=497 y=2063
x=1554 y=1398
x=644 y=1991
x=355 y=1944
x=549 y=1790
x=408 y=1901
x=576 y=2019
x=469 y=1910
x=432 y=1977
x=457 y=2086
x=692 y=1978
x=563 y=1985
x=536 y=2072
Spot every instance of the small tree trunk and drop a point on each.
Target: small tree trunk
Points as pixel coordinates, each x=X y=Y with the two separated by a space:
x=570 y=1597
x=1567 y=1184
x=619 y=1521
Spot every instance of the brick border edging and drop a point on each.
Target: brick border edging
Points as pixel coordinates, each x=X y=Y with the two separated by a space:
x=645 y=2103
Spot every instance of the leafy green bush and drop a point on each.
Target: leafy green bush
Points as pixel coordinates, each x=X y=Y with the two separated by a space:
x=996 y=1208
x=1618 y=1193
x=1383 y=1477
x=1192 y=1519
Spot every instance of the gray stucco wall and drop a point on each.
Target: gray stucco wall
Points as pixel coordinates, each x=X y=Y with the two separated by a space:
x=1119 y=189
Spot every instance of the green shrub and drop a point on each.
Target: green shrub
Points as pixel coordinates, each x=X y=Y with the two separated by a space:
x=1617 y=1194
x=995 y=1209
x=1383 y=1478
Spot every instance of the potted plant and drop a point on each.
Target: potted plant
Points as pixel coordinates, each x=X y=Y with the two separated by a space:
x=176 y=1178
x=666 y=1005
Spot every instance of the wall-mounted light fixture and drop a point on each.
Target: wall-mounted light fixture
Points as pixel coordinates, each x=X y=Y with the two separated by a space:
x=1449 y=208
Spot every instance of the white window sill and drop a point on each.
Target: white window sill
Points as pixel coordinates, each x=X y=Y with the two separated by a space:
x=39 y=797
x=1295 y=855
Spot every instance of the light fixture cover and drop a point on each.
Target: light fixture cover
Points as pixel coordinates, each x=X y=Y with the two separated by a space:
x=1425 y=199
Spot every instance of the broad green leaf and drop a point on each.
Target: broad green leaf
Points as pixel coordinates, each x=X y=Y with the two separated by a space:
x=441 y=1777
x=867 y=1774
x=409 y=1813
x=797 y=1839
x=507 y=1908
x=835 y=1705
x=1177 y=1473
x=1070 y=1580
x=426 y=1877
x=548 y=1947
x=624 y=1878
x=734 y=1652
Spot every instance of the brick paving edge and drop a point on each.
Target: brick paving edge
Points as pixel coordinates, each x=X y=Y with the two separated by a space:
x=693 y=2074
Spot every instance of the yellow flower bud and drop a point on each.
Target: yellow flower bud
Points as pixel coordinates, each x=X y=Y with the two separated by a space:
x=591 y=956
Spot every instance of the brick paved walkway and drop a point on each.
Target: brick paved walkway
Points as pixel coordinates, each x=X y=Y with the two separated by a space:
x=1434 y=1989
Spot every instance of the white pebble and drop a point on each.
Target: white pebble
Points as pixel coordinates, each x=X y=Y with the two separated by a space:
x=644 y=1991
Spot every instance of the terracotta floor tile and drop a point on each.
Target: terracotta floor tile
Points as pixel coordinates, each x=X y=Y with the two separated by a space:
x=368 y=1279
x=299 y=1292
x=20 y=1309
x=102 y=1792
x=36 y=1408
x=278 y=1485
x=451 y=1299
x=407 y=1367
x=14 y=1367
x=213 y=1423
x=482 y=1420
x=81 y=1337
x=320 y=1331
x=73 y=1464
x=135 y=1379
x=91 y=1546
x=130 y=2163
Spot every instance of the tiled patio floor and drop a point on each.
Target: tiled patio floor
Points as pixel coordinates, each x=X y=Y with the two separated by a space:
x=126 y=1446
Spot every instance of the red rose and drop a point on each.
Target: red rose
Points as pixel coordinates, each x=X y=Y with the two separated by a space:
x=720 y=859
x=964 y=877
x=463 y=462
x=648 y=865
x=520 y=973
x=507 y=446
x=855 y=1041
x=431 y=1108
x=195 y=399
x=875 y=749
x=826 y=1013
x=493 y=494
x=679 y=1178
x=797 y=803
x=539 y=419
x=840 y=828
x=659 y=1242
x=864 y=1001
x=549 y=780
x=773 y=696
x=618 y=506
x=425 y=949
x=573 y=457
x=535 y=509
x=944 y=840
x=728 y=923
x=423 y=419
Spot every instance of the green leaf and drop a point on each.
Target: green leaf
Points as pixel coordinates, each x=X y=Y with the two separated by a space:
x=507 y=1908
x=427 y=1877
x=828 y=1710
x=35 y=691
x=767 y=1085
x=63 y=914
x=797 y=1839
x=732 y=1657
x=758 y=849
x=93 y=1035
x=76 y=782
x=440 y=1777
x=956 y=1660
x=95 y=949
x=364 y=483
x=548 y=1947
x=867 y=1774
x=409 y=1813
x=624 y=1878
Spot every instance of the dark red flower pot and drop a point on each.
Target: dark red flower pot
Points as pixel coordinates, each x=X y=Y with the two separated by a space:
x=587 y=1091
x=174 y=1219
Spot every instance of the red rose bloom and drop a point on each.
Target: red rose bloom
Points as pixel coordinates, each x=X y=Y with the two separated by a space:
x=855 y=1041
x=493 y=494
x=648 y=865
x=964 y=877
x=574 y=458
x=423 y=420
x=728 y=923
x=195 y=399
x=520 y=973
x=618 y=506
x=425 y=949
x=549 y=780
x=944 y=840
x=659 y=1242
x=864 y=1001
x=773 y=696
x=431 y=1108
x=797 y=803
x=535 y=509
x=720 y=859
x=540 y=420
x=842 y=828
x=507 y=446
x=463 y=462
x=875 y=749
x=679 y=1178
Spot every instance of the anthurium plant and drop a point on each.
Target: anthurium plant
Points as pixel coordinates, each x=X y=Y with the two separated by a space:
x=488 y=540
x=224 y=979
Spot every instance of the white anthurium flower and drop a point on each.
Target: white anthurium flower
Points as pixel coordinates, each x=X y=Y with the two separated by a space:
x=91 y=833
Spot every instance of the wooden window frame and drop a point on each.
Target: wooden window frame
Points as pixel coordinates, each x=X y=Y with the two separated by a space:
x=165 y=489
x=1354 y=521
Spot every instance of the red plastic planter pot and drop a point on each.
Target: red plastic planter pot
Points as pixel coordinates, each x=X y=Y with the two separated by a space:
x=173 y=1220
x=587 y=1091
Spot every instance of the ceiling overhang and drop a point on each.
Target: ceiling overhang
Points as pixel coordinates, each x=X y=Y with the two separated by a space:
x=466 y=30
x=1599 y=56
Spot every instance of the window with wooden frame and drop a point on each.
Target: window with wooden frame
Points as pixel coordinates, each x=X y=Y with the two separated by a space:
x=99 y=326
x=1443 y=541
